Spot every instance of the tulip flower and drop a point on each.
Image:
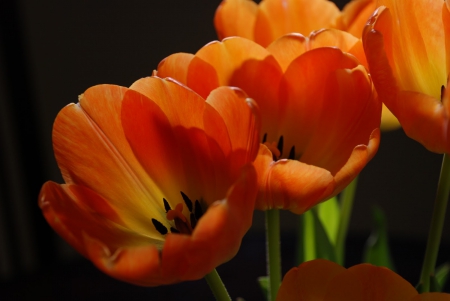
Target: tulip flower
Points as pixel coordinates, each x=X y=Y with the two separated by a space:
x=270 y=19
x=320 y=117
x=408 y=51
x=323 y=280
x=159 y=186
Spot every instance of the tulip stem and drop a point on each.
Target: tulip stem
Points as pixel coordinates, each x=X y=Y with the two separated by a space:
x=347 y=200
x=273 y=252
x=217 y=287
x=437 y=223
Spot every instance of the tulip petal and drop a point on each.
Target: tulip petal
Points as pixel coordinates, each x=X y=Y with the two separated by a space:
x=350 y=116
x=277 y=18
x=235 y=62
x=290 y=184
x=360 y=156
x=235 y=18
x=90 y=132
x=355 y=15
x=74 y=211
x=308 y=281
x=369 y=283
x=175 y=66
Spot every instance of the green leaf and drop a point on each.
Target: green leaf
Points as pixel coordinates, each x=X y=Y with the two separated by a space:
x=442 y=274
x=264 y=285
x=309 y=240
x=377 y=250
x=323 y=246
x=329 y=214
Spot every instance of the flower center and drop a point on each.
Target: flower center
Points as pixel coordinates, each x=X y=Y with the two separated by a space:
x=277 y=148
x=178 y=221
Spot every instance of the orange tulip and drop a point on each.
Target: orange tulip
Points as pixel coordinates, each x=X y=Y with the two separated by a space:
x=322 y=280
x=320 y=118
x=271 y=19
x=159 y=186
x=408 y=50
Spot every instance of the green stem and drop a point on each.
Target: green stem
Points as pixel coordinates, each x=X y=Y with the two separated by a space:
x=273 y=252
x=217 y=287
x=348 y=196
x=437 y=223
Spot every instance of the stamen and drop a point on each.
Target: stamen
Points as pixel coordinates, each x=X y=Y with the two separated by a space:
x=181 y=222
x=442 y=92
x=166 y=205
x=280 y=145
x=264 y=138
x=292 y=153
x=187 y=201
x=173 y=230
x=159 y=227
x=198 y=211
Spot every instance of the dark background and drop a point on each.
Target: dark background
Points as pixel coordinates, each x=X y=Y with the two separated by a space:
x=51 y=51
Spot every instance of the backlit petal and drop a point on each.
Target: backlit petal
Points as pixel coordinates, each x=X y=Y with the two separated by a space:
x=355 y=15
x=277 y=18
x=91 y=132
x=235 y=18
x=175 y=66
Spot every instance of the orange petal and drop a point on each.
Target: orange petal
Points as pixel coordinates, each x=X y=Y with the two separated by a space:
x=287 y=48
x=235 y=18
x=74 y=211
x=290 y=184
x=308 y=281
x=340 y=39
x=175 y=66
x=138 y=265
x=351 y=114
x=360 y=156
x=369 y=283
x=355 y=15
x=166 y=133
x=418 y=49
x=88 y=140
x=421 y=115
x=312 y=109
x=241 y=117
x=277 y=18
x=431 y=297
x=244 y=64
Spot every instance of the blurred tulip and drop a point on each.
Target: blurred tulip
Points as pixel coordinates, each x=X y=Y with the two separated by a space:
x=322 y=280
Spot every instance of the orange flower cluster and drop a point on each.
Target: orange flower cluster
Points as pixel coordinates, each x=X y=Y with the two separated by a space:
x=162 y=178
x=320 y=118
x=270 y=19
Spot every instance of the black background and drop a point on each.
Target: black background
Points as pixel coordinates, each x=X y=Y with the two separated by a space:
x=51 y=51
